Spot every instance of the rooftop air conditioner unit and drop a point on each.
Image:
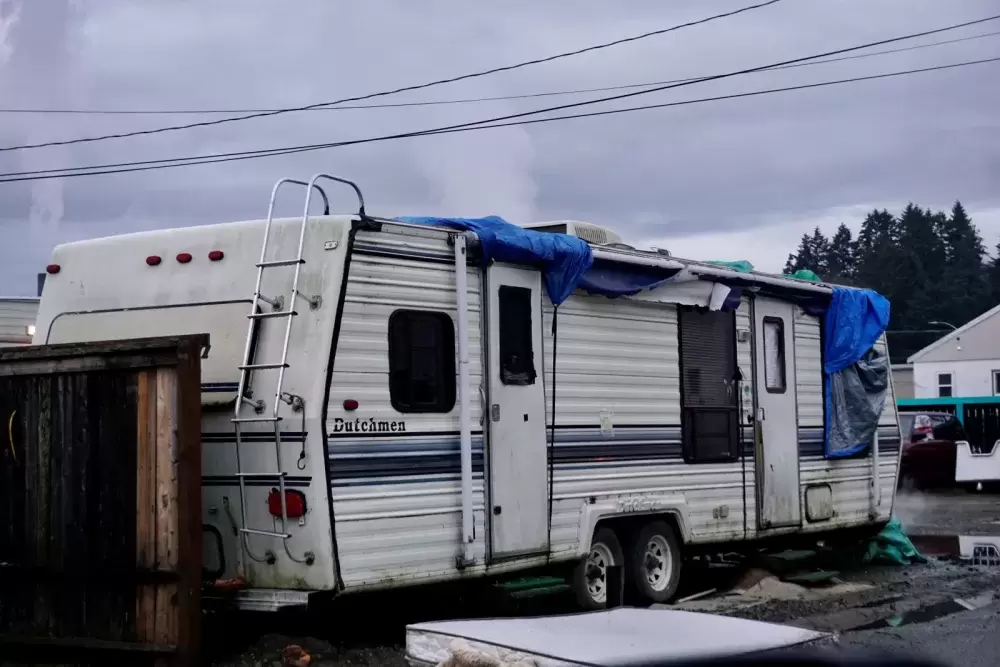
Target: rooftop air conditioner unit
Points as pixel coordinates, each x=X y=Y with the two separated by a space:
x=589 y=232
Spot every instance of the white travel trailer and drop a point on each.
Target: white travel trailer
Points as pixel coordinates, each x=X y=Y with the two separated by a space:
x=388 y=415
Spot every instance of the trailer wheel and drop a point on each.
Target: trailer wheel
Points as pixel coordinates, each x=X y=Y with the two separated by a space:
x=653 y=566
x=590 y=579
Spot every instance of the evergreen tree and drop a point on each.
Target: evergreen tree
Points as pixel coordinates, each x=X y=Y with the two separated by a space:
x=920 y=269
x=820 y=247
x=802 y=258
x=931 y=266
x=993 y=276
x=840 y=260
x=876 y=251
x=812 y=254
x=965 y=283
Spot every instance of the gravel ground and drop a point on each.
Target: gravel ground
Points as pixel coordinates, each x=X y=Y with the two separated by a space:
x=369 y=631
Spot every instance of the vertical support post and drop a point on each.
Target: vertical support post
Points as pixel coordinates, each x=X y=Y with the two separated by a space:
x=464 y=408
x=875 y=492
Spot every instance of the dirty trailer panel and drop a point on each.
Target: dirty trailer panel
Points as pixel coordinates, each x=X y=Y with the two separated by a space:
x=100 y=536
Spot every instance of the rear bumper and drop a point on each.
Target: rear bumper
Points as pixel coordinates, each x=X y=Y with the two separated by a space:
x=256 y=599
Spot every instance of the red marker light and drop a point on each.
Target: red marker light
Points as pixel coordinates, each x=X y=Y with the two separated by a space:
x=350 y=404
x=153 y=260
x=53 y=269
x=216 y=255
x=184 y=257
x=295 y=503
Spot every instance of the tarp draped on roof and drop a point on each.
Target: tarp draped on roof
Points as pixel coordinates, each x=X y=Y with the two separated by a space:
x=613 y=279
x=566 y=261
x=563 y=259
x=856 y=375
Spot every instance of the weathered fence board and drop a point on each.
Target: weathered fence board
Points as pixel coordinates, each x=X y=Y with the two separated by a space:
x=100 y=517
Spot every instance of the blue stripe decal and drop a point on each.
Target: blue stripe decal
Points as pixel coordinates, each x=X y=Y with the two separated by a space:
x=811 y=440
x=219 y=387
x=251 y=436
x=419 y=458
x=291 y=481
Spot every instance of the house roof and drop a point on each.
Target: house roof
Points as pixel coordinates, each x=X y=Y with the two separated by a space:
x=954 y=334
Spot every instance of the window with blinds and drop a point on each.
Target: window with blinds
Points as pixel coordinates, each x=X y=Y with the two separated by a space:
x=709 y=386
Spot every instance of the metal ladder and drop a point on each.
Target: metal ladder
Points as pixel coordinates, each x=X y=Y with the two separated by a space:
x=281 y=309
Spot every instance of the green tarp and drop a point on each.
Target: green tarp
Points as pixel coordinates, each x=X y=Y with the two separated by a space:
x=892 y=547
x=805 y=274
x=742 y=265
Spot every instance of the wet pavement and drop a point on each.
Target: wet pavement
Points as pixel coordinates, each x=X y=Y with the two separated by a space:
x=947 y=609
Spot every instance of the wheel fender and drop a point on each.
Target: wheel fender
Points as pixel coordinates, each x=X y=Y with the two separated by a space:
x=630 y=505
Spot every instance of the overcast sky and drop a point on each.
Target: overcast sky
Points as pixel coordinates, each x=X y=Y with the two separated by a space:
x=738 y=179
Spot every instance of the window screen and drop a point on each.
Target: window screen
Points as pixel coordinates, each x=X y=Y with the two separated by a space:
x=944 y=385
x=774 y=355
x=517 y=359
x=709 y=387
x=421 y=361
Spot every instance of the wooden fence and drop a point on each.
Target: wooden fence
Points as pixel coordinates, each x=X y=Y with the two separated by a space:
x=100 y=502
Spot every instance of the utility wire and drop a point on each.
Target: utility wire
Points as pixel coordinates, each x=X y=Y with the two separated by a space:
x=470 y=100
x=294 y=149
x=438 y=82
x=249 y=155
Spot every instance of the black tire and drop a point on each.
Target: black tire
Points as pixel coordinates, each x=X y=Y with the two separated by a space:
x=647 y=579
x=589 y=586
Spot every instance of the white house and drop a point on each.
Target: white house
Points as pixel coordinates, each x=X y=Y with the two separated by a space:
x=963 y=364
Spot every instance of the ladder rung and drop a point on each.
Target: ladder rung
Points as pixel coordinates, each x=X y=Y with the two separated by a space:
x=261 y=474
x=280 y=262
x=262 y=367
x=252 y=420
x=276 y=313
x=266 y=533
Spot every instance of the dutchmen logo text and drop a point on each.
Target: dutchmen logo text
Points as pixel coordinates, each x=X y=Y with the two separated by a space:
x=370 y=425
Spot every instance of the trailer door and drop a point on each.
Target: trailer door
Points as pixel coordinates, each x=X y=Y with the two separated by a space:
x=518 y=461
x=776 y=418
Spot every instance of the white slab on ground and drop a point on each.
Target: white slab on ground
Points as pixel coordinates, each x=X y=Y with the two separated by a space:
x=600 y=639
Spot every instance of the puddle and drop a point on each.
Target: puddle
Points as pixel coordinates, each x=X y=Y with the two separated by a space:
x=976 y=549
x=930 y=613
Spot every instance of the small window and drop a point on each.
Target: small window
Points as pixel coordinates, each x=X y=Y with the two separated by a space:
x=774 y=355
x=517 y=359
x=996 y=383
x=421 y=361
x=945 y=387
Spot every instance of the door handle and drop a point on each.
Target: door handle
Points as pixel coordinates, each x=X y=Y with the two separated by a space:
x=761 y=415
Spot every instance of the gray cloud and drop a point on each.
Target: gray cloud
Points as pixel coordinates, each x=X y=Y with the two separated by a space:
x=709 y=169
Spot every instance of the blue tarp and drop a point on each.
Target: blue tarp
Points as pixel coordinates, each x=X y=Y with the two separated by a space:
x=614 y=279
x=856 y=376
x=563 y=259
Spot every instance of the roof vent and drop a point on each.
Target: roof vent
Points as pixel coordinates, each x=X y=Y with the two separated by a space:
x=589 y=232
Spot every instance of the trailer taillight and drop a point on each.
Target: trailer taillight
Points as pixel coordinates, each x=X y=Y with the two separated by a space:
x=295 y=503
x=53 y=269
x=184 y=257
x=154 y=260
x=216 y=255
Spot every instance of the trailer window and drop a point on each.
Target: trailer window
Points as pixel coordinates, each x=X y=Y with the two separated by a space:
x=517 y=359
x=421 y=361
x=774 y=355
x=709 y=385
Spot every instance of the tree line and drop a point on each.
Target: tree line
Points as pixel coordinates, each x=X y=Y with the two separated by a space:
x=932 y=266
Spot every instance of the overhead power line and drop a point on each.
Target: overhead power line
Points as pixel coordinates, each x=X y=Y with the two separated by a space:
x=249 y=155
x=429 y=84
x=285 y=150
x=471 y=100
